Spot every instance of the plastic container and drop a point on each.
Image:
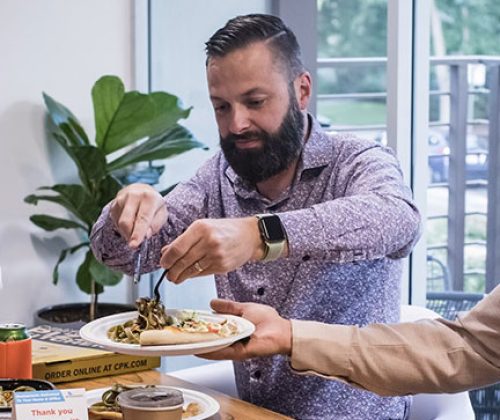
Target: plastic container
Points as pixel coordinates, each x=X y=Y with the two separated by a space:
x=13 y=384
x=151 y=404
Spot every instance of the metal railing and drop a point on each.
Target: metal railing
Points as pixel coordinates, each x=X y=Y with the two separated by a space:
x=459 y=120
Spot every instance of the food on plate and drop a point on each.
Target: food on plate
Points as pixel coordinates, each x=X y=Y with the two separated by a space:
x=6 y=397
x=154 y=327
x=108 y=407
x=151 y=315
x=191 y=410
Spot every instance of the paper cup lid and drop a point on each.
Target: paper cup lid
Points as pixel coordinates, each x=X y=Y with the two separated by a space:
x=151 y=398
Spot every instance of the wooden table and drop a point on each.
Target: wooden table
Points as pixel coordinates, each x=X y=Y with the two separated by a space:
x=230 y=408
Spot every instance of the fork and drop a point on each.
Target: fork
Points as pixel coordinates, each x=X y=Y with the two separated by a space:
x=143 y=249
x=156 y=290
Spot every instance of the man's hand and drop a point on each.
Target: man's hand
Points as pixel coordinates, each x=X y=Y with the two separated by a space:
x=138 y=211
x=212 y=246
x=272 y=335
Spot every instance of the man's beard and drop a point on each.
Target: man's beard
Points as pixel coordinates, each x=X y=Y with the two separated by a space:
x=278 y=152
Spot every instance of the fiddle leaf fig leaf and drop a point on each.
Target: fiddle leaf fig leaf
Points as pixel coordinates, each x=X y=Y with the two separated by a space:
x=62 y=257
x=73 y=197
x=50 y=223
x=122 y=118
x=107 y=95
x=90 y=161
x=168 y=189
x=174 y=141
x=129 y=122
x=102 y=274
x=64 y=119
x=91 y=164
x=107 y=190
x=168 y=112
x=84 y=276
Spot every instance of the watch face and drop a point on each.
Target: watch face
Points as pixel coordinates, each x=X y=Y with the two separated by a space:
x=273 y=228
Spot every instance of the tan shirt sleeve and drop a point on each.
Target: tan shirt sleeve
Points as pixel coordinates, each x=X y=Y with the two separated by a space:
x=408 y=358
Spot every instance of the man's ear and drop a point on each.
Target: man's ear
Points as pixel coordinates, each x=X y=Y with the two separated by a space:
x=303 y=89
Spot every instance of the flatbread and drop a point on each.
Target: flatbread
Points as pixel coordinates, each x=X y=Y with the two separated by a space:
x=175 y=335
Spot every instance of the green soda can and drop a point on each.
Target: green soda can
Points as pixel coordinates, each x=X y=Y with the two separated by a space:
x=13 y=332
x=15 y=352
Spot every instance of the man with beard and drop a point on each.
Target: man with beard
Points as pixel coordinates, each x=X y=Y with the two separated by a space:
x=312 y=224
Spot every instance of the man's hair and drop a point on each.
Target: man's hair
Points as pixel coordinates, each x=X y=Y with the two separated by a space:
x=242 y=31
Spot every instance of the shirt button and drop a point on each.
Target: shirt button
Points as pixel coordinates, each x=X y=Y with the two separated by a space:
x=257 y=374
x=306 y=258
x=260 y=291
x=358 y=254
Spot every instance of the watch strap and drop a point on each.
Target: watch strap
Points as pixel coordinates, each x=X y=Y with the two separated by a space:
x=273 y=250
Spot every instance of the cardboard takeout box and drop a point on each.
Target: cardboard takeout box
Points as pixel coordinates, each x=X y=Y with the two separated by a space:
x=61 y=355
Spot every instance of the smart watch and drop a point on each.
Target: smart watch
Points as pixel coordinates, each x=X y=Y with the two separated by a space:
x=273 y=235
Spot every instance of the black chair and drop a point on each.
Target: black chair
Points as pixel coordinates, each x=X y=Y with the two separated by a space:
x=449 y=304
x=485 y=401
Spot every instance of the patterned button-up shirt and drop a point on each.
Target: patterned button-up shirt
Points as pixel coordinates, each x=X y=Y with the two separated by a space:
x=349 y=220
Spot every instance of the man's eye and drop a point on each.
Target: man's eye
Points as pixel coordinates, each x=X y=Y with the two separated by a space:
x=220 y=108
x=256 y=103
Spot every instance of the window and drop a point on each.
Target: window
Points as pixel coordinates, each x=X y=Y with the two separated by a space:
x=451 y=156
x=464 y=130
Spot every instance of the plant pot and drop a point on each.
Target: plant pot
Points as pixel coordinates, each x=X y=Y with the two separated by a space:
x=76 y=315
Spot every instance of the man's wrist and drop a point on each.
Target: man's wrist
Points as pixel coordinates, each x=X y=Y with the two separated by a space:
x=259 y=247
x=286 y=338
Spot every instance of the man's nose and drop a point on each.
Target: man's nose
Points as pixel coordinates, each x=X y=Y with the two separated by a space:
x=240 y=120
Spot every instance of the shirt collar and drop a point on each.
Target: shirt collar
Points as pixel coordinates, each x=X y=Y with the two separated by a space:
x=318 y=147
x=315 y=154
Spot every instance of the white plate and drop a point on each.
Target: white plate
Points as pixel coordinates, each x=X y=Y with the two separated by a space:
x=209 y=405
x=96 y=332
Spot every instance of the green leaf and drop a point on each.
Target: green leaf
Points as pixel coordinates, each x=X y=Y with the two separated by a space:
x=84 y=276
x=50 y=223
x=168 y=112
x=72 y=197
x=64 y=119
x=122 y=118
x=107 y=95
x=91 y=164
x=175 y=141
x=90 y=161
x=130 y=122
x=107 y=190
x=168 y=189
x=102 y=274
x=62 y=257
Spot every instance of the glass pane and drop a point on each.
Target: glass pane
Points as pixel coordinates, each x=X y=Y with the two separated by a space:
x=352 y=28
x=467 y=29
x=352 y=93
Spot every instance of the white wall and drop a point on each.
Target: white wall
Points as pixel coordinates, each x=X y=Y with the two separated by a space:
x=62 y=48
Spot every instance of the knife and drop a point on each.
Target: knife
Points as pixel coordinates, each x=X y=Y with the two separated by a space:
x=141 y=251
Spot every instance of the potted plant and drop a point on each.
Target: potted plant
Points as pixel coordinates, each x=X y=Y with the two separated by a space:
x=131 y=127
